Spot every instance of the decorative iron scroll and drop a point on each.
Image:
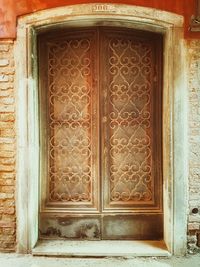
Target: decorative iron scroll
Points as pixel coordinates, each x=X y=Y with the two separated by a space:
x=70 y=83
x=130 y=70
x=103 y=105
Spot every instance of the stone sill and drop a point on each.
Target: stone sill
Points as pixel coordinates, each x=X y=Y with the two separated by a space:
x=104 y=248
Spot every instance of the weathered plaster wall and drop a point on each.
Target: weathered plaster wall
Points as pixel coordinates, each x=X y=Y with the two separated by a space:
x=10 y=10
x=7 y=147
x=194 y=143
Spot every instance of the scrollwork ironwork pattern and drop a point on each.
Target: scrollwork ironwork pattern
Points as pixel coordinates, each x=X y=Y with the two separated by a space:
x=69 y=83
x=130 y=83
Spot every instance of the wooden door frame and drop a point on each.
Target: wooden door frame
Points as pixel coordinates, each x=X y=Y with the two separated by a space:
x=175 y=152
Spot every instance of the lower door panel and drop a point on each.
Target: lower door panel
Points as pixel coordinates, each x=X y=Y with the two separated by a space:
x=105 y=227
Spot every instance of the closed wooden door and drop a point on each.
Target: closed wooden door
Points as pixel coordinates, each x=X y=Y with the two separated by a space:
x=101 y=120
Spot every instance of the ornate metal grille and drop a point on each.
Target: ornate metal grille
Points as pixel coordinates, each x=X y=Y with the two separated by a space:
x=70 y=108
x=130 y=71
x=129 y=121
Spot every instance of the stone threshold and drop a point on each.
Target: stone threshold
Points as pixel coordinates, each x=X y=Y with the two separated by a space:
x=103 y=248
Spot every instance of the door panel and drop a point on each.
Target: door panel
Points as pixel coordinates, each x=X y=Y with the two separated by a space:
x=101 y=150
x=58 y=226
x=112 y=226
x=72 y=129
x=131 y=156
x=132 y=226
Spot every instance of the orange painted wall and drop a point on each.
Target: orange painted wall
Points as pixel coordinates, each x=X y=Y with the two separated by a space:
x=11 y=9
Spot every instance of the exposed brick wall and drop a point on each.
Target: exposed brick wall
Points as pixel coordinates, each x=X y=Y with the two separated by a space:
x=194 y=145
x=7 y=148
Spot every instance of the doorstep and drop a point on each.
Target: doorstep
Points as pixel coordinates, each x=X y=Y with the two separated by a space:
x=103 y=248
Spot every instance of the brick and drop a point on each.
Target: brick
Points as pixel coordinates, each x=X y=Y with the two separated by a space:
x=6 y=195
x=7 y=101
x=8 y=72
x=194 y=141
x=193 y=226
x=7 y=161
x=4 y=148
x=7 y=149
x=8 y=108
x=6 y=94
x=192 y=239
x=7 y=210
x=10 y=210
x=8 y=146
x=8 y=231
x=7 y=189
x=4 y=125
x=7 y=117
x=7 y=224
x=194 y=195
x=6 y=90
x=194 y=218
x=7 y=182
x=198 y=239
x=194 y=190
x=4 y=141
x=9 y=238
x=8 y=218
x=7 y=175
x=7 y=154
x=4 y=78
x=4 y=62
x=4 y=48
x=9 y=203
x=7 y=247
x=7 y=168
x=11 y=78
x=7 y=132
x=7 y=86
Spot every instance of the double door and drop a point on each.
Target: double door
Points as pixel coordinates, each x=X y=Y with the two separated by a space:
x=100 y=121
